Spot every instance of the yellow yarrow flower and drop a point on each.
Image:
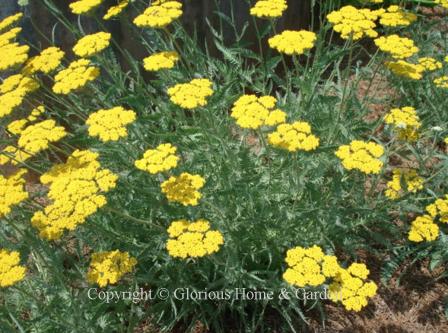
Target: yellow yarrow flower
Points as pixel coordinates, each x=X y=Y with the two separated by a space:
x=354 y=23
x=37 y=137
x=47 y=61
x=11 y=271
x=35 y=113
x=12 y=191
x=441 y=82
x=76 y=192
x=422 y=229
x=439 y=209
x=116 y=10
x=429 y=64
x=109 y=267
x=76 y=76
x=395 y=16
x=7 y=37
x=351 y=288
x=10 y=20
x=161 y=60
x=17 y=126
x=253 y=112
x=191 y=95
x=443 y=3
x=192 y=240
x=293 y=42
x=398 y=47
x=110 y=124
x=161 y=159
x=13 y=90
x=92 y=44
x=361 y=155
x=406 y=69
x=84 y=6
x=294 y=137
x=410 y=178
x=268 y=8
x=13 y=55
x=183 y=189
x=405 y=121
x=159 y=14
x=14 y=155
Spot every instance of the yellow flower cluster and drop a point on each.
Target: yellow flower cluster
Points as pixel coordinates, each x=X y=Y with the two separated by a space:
x=309 y=266
x=293 y=42
x=84 y=6
x=192 y=240
x=12 y=191
x=109 y=267
x=253 y=112
x=110 y=124
x=12 y=53
x=76 y=76
x=441 y=82
x=14 y=155
x=16 y=127
x=422 y=229
x=191 y=95
x=159 y=14
x=92 y=44
x=10 y=20
x=161 y=60
x=268 y=8
x=12 y=92
x=294 y=137
x=405 y=121
x=429 y=64
x=11 y=271
x=355 y=23
x=47 y=61
x=116 y=10
x=361 y=155
x=161 y=159
x=394 y=16
x=76 y=189
x=351 y=288
x=406 y=69
x=183 y=189
x=443 y=3
x=398 y=47
x=439 y=209
x=409 y=178
x=37 y=137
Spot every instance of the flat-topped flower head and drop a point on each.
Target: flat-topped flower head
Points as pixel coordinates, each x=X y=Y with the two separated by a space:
x=110 y=124
x=46 y=62
x=268 y=8
x=422 y=229
x=395 y=16
x=354 y=23
x=12 y=191
x=17 y=126
x=8 y=21
x=161 y=60
x=253 y=112
x=439 y=209
x=351 y=288
x=293 y=42
x=109 y=267
x=159 y=14
x=13 y=155
x=77 y=75
x=92 y=44
x=409 y=178
x=13 y=91
x=429 y=64
x=398 y=47
x=294 y=137
x=183 y=189
x=443 y=3
x=116 y=10
x=11 y=272
x=161 y=159
x=192 y=94
x=192 y=239
x=405 y=121
x=362 y=156
x=84 y=6
x=406 y=69
x=13 y=55
x=441 y=82
x=37 y=137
